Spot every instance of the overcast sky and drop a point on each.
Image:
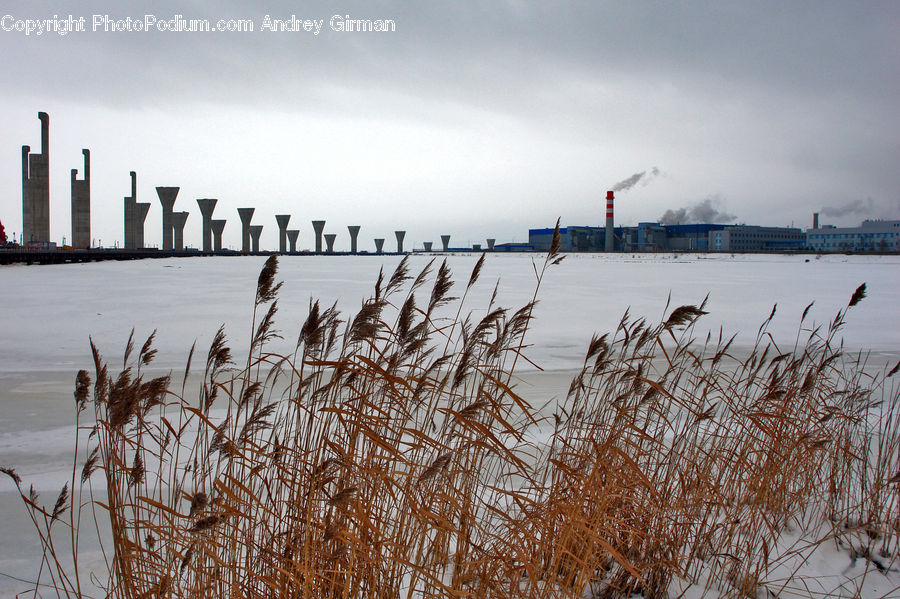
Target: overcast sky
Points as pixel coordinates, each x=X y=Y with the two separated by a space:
x=477 y=120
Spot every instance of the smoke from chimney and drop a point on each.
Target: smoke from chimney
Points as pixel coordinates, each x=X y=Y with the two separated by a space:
x=704 y=211
x=635 y=179
x=856 y=207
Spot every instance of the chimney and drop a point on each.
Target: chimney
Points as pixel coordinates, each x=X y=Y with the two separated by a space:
x=610 y=243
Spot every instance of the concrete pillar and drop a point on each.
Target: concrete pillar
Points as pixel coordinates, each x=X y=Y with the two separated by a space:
x=354 y=232
x=292 y=236
x=491 y=243
x=445 y=240
x=379 y=245
x=427 y=245
x=329 y=242
x=130 y=211
x=282 y=220
x=167 y=197
x=815 y=220
x=246 y=214
x=140 y=215
x=36 y=188
x=217 y=227
x=400 y=235
x=207 y=205
x=318 y=227
x=81 y=204
x=476 y=247
x=255 y=232
x=178 y=221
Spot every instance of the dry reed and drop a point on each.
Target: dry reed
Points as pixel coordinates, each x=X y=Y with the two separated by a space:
x=391 y=456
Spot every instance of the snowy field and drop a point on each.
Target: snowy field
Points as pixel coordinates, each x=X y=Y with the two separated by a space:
x=50 y=312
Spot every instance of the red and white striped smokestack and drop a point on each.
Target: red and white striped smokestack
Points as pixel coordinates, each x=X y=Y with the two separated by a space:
x=610 y=245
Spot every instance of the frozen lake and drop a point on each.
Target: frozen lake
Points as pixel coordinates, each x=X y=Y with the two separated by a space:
x=49 y=313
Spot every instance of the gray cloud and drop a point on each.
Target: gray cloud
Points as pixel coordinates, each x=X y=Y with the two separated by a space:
x=474 y=106
x=704 y=211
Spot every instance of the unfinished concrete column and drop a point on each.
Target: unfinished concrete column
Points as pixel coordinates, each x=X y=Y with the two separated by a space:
x=476 y=247
x=282 y=220
x=140 y=215
x=379 y=245
x=292 y=236
x=318 y=227
x=400 y=235
x=329 y=242
x=427 y=245
x=255 y=232
x=445 y=240
x=167 y=197
x=491 y=243
x=36 y=188
x=207 y=205
x=354 y=232
x=217 y=227
x=246 y=214
x=129 y=203
x=178 y=221
x=81 y=204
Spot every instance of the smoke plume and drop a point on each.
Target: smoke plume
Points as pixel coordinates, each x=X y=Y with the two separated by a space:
x=857 y=207
x=635 y=178
x=704 y=211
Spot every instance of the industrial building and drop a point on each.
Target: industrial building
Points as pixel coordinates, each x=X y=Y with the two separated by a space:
x=654 y=237
x=747 y=238
x=869 y=236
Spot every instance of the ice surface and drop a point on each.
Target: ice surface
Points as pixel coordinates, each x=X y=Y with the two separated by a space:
x=50 y=312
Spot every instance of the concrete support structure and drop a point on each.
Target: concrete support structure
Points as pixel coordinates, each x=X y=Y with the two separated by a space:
x=610 y=241
x=318 y=227
x=217 y=227
x=490 y=244
x=379 y=245
x=135 y=214
x=400 y=235
x=815 y=220
x=445 y=241
x=282 y=220
x=140 y=215
x=207 y=205
x=255 y=232
x=292 y=236
x=354 y=233
x=36 y=188
x=178 y=221
x=476 y=247
x=329 y=242
x=81 y=205
x=246 y=214
x=167 y=197
x=427 y=245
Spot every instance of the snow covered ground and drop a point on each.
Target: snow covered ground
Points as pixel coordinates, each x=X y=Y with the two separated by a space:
x=49 y=313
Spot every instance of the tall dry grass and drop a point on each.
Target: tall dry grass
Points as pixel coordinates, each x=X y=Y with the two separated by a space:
x=390 y=456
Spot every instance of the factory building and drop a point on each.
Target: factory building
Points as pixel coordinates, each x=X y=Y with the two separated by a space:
x=869 y=236
x=654 y=237
x=574 y=239
x=747 y=238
